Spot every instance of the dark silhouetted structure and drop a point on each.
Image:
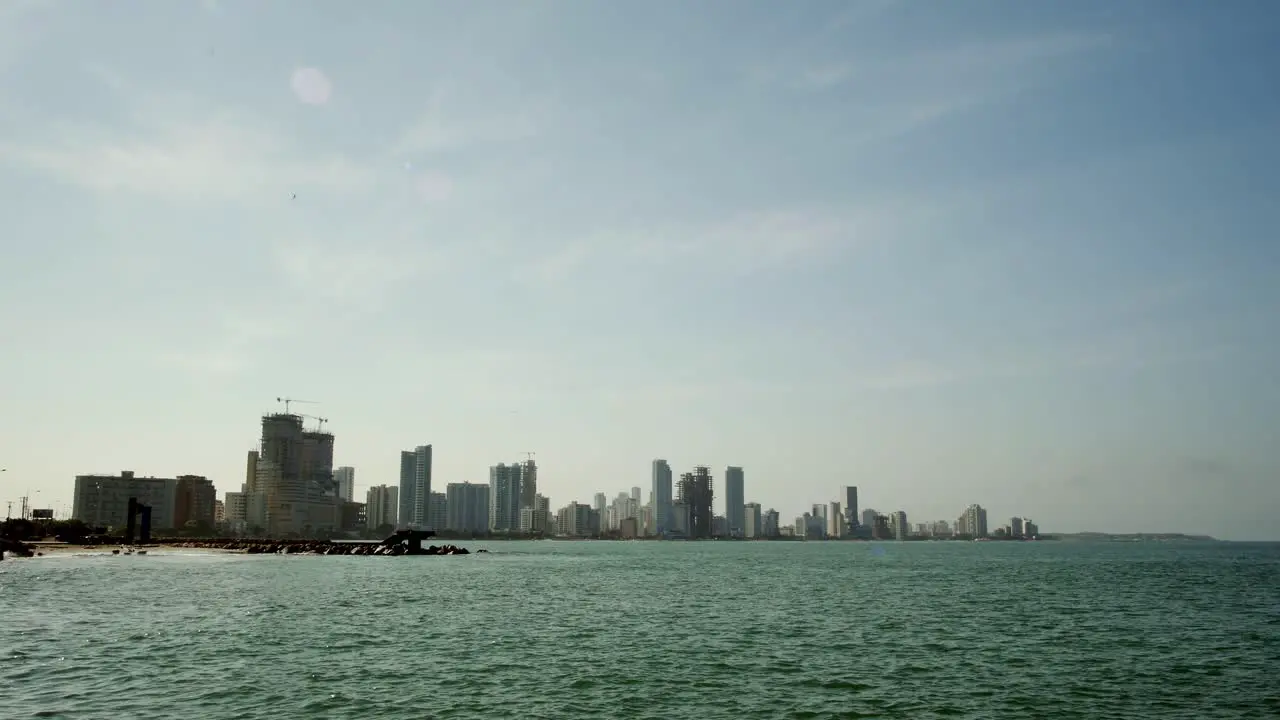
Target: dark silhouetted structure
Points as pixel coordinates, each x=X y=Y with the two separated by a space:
x=141 y=514
x=410 y=539
x=695 y=492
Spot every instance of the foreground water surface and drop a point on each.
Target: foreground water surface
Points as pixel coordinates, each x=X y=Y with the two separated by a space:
x=651 y=630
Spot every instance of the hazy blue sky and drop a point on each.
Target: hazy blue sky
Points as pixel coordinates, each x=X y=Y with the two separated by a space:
x=1017 y=253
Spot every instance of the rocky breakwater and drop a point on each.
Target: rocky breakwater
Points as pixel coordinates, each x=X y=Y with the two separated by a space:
x=16 y=548
x=318 y=547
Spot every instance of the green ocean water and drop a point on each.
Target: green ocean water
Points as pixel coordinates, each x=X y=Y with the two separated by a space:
x=651 y=630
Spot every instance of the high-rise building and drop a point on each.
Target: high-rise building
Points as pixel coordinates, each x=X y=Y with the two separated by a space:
x=345 y=479
x=468 y=507
x=818 y=516
x=696 y=492
x=382 y=504
x=868 y=519
x=437 y=511
x=255 y=498
x=1015 y=527
x=415 y=487
x=408 y=463
x=528 y=483
x=623 y=507
x=752 y=521
x=504 y=498
x=772 y=523
x=294 y=478
x=236 y=511
x=576 y=520
x=734 y=501
x=975 y=521
x=662 y=500
x=880 y=529
x=646 y=518
x=898 y=521
x=194 y=499
x=251 y=472
x=835 y=521
x=536 y=518
x=851 y=506
x=103 y=500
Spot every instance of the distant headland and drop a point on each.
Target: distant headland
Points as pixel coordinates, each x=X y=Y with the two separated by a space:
x=1134 y=537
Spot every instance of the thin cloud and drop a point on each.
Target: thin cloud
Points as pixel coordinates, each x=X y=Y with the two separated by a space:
x=556 y=267
x=981 y=66
x=178 y=149
x=858 y=11
x=342 y=275
x=747 y=243
x=742 y=243
x=232 y=345
x=903 y=95
x=200 y=160
x=916 y=375
x=103 y=73
x=445 y=125
x=16 y=36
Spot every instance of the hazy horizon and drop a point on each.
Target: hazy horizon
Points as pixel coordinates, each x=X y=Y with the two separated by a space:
x=997 y=252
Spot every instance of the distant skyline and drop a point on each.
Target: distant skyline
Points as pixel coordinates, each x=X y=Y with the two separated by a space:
x=1018 y=254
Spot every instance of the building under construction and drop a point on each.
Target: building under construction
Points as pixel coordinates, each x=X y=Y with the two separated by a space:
x=294 y=477
x=694 y=493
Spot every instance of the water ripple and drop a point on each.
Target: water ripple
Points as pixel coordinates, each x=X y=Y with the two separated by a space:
x=650 y=630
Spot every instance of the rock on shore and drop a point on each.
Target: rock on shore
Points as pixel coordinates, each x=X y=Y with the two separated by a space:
x=316 y=547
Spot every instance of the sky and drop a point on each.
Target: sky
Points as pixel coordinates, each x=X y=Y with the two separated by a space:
x=1022 y=254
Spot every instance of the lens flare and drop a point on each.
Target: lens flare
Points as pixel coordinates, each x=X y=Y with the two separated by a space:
x=311 y=86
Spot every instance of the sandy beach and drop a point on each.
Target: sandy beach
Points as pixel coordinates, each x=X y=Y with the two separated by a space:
x=60 y=549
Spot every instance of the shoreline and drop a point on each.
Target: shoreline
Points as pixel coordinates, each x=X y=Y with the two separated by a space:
x=391 y=547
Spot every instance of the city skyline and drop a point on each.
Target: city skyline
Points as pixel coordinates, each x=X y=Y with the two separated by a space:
x=291 y=486
x=1006 y=252
x=504 y=515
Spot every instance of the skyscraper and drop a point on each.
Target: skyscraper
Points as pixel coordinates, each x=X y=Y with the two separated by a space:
x=415 y=486
x=851 y=506
x=345 y=478
x=734 y=502
x=772 y=523
x=975 y=520
x=504 y=498
x=381 y=504
x=437 y=511
x=662 y=512
x=753 y=526
x=696 y=492
x=528 y=484
x=407 y=464
x=868 y=519
x=898 y=520
x=467 y=505
x=294 y=483
x=193 y=501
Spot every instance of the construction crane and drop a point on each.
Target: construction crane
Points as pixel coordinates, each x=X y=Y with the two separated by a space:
x=528 y=456
x=319 y=422
x=288 y=401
